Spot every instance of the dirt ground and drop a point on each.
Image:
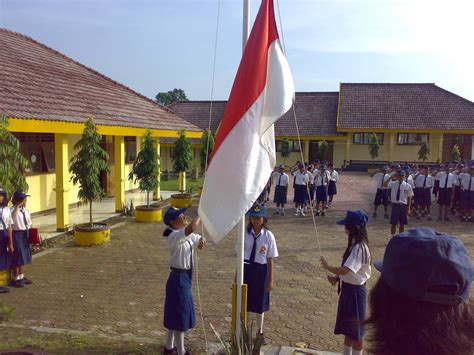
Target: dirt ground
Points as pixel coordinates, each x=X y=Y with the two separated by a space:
x=116 y=291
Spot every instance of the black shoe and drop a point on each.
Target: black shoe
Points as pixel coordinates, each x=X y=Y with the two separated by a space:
x=322 y=214
x=317 y=213
x=170 y=351
x=374 y=215
x=261 y=337
x=429 y=218
x=26 y=281
x=440 y=219
x=447 y=219
x=17 y=283
x=385 y=216
x=4 y=290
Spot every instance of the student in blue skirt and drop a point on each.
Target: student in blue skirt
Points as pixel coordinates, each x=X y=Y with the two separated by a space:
x=6 y=239
x=179 y=312
x=259 y=250
x=354 y=273
x=21 y=223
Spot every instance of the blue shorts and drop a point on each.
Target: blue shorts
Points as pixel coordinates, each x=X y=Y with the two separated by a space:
x=467 y=199
x=424 y=197
x=444 y=196
x=399 y=214
x=300 y=194
x=381 y=197
x=321 y=194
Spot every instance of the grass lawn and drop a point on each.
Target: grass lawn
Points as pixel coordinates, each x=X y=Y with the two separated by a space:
x=173 y=184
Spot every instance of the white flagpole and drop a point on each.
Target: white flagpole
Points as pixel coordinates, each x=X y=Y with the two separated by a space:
x=241 y=228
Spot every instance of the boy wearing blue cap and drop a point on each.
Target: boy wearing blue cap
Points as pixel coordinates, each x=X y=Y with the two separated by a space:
x=354 y=273
x=6 y=238
x=322 y=179
x=401 y=195
x=259 y=251
x=420 y=303
x=424 y=182
x=179 y=315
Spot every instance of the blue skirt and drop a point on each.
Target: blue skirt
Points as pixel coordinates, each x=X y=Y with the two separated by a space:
x=258 y=298
x=321 y=194
x=300 y=194
x=280 y=195
x=179 y=304
x=332 y=188
x=5 y=257
x=22 y=254
x=351 y=311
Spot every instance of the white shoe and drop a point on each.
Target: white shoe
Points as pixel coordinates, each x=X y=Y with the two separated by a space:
x=282 y=213
x=302 y=213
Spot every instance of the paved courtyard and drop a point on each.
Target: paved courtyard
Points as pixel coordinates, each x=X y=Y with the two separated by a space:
x=117 y=290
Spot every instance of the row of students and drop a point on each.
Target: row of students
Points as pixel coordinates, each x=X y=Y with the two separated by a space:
x=15 y=250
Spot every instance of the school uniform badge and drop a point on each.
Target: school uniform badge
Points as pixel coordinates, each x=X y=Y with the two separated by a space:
x=263 y=250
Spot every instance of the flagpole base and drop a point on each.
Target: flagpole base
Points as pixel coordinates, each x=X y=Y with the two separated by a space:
x=234 y=306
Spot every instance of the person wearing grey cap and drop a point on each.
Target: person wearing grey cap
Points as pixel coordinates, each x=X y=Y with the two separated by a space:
x=420 y=303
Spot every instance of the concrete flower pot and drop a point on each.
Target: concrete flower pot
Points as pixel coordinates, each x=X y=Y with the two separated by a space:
x=372 y=170
x=148 y=214
x=4 y=278
x=181 y=200
x=84 y=235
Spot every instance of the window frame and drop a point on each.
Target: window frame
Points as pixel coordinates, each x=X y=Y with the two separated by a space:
x=130 y=141
x=365 y=138
x=417 y=141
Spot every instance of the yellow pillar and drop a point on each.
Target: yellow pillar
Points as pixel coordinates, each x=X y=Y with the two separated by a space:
x=182 y=181
x=61 y=147
x=391 y=143
x=306 y=151
x=347 y=151
x=440 y=147
x=119 y=155
x=158 y=189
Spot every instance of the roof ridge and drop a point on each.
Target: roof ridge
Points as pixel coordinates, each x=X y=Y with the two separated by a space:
x=387 y=83
x=3 y=29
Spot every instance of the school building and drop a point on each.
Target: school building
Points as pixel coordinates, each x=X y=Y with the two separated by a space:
x=401 y=115
x=47 y=97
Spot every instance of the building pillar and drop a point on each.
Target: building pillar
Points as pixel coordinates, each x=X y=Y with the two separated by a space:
x=391 y=143
x=440 y=147
x=157 y=194
x=61 y=152
x=347 y=151
x=306 y=151
x=119 y=179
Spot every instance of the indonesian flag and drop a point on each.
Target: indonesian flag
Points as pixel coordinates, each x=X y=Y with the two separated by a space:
x=244 y=153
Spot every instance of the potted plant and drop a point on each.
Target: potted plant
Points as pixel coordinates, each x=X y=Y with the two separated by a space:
x=182 y=161
x=285 y=150
x=374 y=149
x=207 y=141
x=86 y=166
x=323 y=147
x=456 y=153
x=424 y=151
x=145 y=171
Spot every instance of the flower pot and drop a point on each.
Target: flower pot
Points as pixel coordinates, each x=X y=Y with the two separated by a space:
x=372 y=170
x=84 y=235
x=181 y=200
x=148 y=214
x=4 y=277
x=199 y=190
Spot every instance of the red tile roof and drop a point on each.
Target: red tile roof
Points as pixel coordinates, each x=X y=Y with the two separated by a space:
x=315 y=114
x=403 y=106
x=37 y=82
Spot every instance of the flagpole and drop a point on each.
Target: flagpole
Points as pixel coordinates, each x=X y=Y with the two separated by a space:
x=241 y=225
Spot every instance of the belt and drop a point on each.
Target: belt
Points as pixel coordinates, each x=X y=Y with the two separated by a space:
x=179 y=270
x=399 y=203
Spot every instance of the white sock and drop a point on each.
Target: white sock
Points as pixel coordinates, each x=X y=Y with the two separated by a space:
x=170 y=340
x=179 y=339
x=357 y=352
x=347 y=350
x=16 y=278
x=21 y=276
x=260 y=318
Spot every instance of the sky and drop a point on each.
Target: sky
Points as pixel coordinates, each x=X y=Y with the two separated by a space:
x=157 y=45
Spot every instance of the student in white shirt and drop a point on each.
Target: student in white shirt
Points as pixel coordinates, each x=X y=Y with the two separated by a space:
x=458 y=174
x=21 y=224
x=445 y=193
x=281 y=189
x=6 y=237
x=381 y=196
x=467 y=194
x=179 y=314
x=332 y=188
x=354 y=273
x=401 y=195
x=424 y=182
x=301 y=181
x=321 y=180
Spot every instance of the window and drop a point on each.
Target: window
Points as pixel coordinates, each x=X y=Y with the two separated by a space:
x=364 y=138
x=130 y=149
x=412 y=138
x=38 y=149
x=294 y=146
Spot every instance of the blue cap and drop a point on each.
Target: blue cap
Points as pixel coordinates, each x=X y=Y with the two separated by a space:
x=19 y=194
x=324 y=166
x=357 y=218
x=171 y=214
x=400 y=173
x=257 y=211
x=429 y=266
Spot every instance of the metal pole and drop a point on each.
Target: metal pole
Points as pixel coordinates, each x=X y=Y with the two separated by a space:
x=241 y=228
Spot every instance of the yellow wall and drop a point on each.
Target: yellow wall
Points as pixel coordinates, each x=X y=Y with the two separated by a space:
x=338 y=154
x=290 y=161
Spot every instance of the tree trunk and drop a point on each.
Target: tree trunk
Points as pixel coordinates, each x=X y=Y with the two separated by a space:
x=148 y=198
x=90 y=213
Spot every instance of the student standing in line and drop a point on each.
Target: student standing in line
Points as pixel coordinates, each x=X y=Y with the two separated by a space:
x=310 y=195
x=424 y=183
x=259 y=251
x=332 y=188
x=381 y=196
x=21 y=224
x=300 y=184
x=6 y=237
x=446 y=180
x=401 y=196
x=179 y=314
x=354 y=273
x=322 y=181
x=281 y=190
x=434 y=173
x=467 y=194
x=458 y=174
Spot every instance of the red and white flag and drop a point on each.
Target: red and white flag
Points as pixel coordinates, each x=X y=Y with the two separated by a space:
x=244 y=153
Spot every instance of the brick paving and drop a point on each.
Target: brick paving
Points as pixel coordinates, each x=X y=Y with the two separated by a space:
x=118 y=289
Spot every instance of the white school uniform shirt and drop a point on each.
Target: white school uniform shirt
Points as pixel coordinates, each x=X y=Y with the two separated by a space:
x=334 y=176
x=311 y=178
x=380 y=179
x=19 y=221
x=465 y=182
x=301 y=178
x=266 y=246
x=406 y=191
x=410 y=181
x=420 y=181
x=181 y=248
x=283 y=181
x=6 y=216
x=442 y=176
x=457 y=179
x=359 y=272
x=322 y=179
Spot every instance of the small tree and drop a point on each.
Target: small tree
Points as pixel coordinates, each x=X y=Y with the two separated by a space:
x=374 y=147
x=145 y=169
x=207 y=141
x=456 y=153
x=12 y=161
x=424 y=151
x=183 y=156
x=171 y=97
x=323 y=147
x=285 y=149
x=87 y=164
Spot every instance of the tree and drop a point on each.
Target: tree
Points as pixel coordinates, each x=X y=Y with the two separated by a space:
x=374 y=146
x=456 y=153
x=87 y=164
x=12 y=161
x=183 y=154
x=171 y=97
x=285 y=149
x=145 y=169
x=323 y=147
x=207 y=141
x=424 y=151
